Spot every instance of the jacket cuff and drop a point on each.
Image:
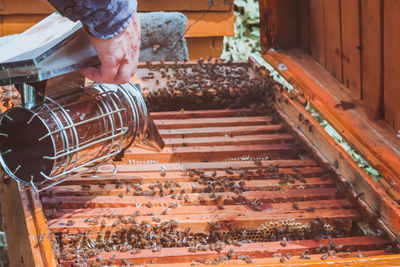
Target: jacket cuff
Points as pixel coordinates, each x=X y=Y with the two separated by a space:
x=102 y=19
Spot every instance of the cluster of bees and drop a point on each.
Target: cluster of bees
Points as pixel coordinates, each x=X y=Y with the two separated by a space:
x=205 y=85
x=165 y=234
x=128 y=234
x=208 y=85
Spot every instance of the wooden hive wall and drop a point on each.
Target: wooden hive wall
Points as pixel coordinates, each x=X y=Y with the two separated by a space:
x=341 y=60
x=355 y=40
x=204 y=39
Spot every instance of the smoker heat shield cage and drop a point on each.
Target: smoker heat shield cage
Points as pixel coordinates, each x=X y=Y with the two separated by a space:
x=63 y=136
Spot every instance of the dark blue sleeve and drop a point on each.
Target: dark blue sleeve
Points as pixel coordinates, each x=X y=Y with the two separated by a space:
x=101 y=18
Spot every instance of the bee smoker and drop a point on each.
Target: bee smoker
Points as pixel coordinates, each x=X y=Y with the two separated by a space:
x=64 y=128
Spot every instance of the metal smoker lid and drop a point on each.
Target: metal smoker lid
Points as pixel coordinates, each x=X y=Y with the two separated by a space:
x=53 y=47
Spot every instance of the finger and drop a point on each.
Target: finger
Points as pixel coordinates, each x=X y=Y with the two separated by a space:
x=91 y=73
x=124 y=72
x=104 y=74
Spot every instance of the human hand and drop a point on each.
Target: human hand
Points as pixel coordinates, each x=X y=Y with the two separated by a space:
x=119 y=56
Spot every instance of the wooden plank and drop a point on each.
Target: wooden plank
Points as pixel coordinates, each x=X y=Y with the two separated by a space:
x=333 y=44
x=371 y=57
x=189 y=187
x=216 y=23
x=43 y=7
x=126 y=201
x=41 y=229
x=304 y=20
x=22 y=236
x=372 y=200
x=129 y=176
x=211 y=209
x=13 y=24
x=214 y=153
x=317 y=30
x=29 y=7
x=370 y=258
x=212 y=122
x=212 y=24
x=392 y=55
x=227 y=140
x=237 y=164
x=254 y=250
x=279 y=24
x=205 y=47
x=199 y=223
x=189 y=114
x=374 y=140
x=351 y=46
x=184 y=5
x=220 y=131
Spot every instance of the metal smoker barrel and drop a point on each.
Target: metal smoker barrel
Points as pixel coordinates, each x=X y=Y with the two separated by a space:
x=63 y=135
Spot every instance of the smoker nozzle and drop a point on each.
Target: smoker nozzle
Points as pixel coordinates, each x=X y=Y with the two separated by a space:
x=68 y=133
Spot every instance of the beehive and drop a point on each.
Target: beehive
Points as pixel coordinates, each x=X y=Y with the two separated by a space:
x=248 y=177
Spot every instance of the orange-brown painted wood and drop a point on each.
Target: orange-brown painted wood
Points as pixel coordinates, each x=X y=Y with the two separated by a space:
x=212 y=122
x=9 y=7
x=350 y=16
x=371 y=198
x=304 y=21
x=126 y=200
x=279 y=24
x=199 y=223
x=25 y=227
x=182 y=210
x=190 y=114
x=189 y=187
x=361 y=33
x=333 y=42
x=371 y=56
x=228 y=140
x=254 y=250
x=374 y=140
x=391 y=57
x=205 y=47
x=370 y=258
x=214 y=153
x=220 y=131
x=317 y=30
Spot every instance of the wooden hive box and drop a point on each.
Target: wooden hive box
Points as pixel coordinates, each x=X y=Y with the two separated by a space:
x=204 y=39
x=267 y=174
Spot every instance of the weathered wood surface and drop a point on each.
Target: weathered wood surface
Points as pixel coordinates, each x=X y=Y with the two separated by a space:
x=374 y=140
x=355 y=40
x=311 y=196
x=25 y=227
x=372 y=199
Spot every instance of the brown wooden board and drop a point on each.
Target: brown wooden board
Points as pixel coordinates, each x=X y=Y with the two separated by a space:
x=279 y=24
x=371 y=197
x=317 y=30
x=351 y=46
x=371 y=57
x=304 y=20
x=8 y=7
x=295 y=189
x=374 y=140
x=333 y=42
x=391 y=56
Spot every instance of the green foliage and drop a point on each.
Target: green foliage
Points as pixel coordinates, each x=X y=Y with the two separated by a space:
x=247 y=31
x=362 y=163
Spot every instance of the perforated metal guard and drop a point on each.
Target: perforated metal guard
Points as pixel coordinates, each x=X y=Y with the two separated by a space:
x=62 y=137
